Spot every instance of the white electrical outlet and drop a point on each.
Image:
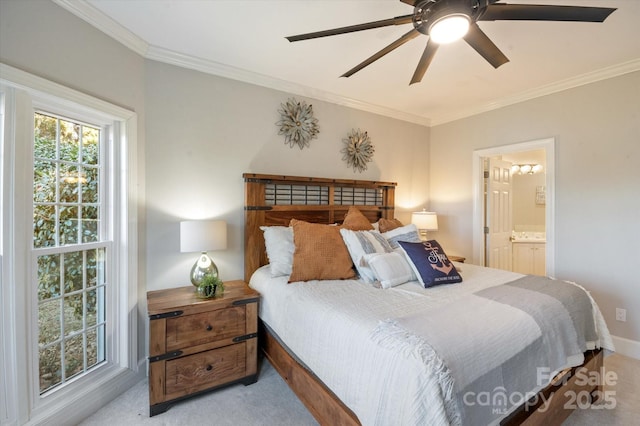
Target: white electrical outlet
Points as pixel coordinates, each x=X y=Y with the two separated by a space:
x=621 y=314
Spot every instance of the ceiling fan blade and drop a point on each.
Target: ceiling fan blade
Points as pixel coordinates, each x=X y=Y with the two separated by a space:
x=399 y=42
x=534 y=12
x=398 y=20
x=425 y=60
x=484 y=46
x=410 y=2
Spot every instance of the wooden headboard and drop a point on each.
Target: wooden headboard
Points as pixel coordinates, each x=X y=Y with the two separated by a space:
x=274 y=200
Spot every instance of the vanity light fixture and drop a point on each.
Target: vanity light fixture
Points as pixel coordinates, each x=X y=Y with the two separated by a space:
x=526 y=169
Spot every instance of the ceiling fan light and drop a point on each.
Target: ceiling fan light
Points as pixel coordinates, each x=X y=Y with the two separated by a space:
x=449 y=28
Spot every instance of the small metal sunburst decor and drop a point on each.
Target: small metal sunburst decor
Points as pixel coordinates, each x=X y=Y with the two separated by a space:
x=358 y=150
x=297 y=123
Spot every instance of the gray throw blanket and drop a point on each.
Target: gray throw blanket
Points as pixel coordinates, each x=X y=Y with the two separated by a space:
x=492 y=350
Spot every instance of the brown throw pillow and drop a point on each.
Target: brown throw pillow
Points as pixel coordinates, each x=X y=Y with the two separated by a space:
x=320 y=253
x=356 y=221
x=386 y=225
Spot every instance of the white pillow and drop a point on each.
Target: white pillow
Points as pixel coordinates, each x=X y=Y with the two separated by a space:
x=407 y=233
x=390 y=269
x=360 y=243
x=279 y=243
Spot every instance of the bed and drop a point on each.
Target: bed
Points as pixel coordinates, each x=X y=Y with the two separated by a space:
x=358 y=354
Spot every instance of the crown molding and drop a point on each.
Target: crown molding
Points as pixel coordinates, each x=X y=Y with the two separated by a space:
x=227 y=71
x=104 y=23
x=548 y=89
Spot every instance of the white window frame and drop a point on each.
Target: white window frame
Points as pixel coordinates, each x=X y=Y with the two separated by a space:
x=24 y=94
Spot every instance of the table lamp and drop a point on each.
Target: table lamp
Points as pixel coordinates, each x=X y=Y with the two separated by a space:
x=425 y=221
x=203 y=236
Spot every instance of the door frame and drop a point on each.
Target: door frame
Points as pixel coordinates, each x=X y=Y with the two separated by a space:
x=548 y=145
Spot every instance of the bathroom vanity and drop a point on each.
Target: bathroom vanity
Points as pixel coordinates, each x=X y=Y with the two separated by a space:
x=529 y=252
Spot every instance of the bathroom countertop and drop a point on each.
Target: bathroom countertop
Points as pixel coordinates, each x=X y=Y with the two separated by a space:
x=528 y=237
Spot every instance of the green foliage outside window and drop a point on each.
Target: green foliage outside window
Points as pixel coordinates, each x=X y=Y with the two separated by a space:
x=66 y=210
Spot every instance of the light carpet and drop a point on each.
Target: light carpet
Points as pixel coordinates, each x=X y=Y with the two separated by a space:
x=270 y=402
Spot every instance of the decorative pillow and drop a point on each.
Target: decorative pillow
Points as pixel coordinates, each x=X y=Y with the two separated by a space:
x=278 y=241
x=404 y=233
x=387 y=225
x=390 y=269
x=320 y=253
x=356 y=221
x=360 y=243
x=430 y=263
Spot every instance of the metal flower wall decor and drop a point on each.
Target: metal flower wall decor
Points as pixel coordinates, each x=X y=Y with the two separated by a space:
x=358 y=150
x=297 y=123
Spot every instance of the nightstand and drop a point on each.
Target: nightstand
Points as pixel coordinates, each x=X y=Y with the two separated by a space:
x=197 y=345
x=457 y=258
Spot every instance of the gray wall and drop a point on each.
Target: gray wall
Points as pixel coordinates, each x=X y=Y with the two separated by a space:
x=597 y=132
x=41 y=38
x=204 y=131
x=527 y=215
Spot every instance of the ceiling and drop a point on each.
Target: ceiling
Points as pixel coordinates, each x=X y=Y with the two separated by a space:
x=245 y=40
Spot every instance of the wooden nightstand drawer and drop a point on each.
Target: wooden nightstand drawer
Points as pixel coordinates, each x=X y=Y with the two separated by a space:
x=198 y=329
x=203 y=370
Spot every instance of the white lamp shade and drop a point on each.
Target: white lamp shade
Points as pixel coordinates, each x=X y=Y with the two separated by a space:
x=425 y=220
x=203 y=235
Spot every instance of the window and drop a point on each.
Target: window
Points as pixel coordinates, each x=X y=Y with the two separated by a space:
x=68 y=295
x=70 y=247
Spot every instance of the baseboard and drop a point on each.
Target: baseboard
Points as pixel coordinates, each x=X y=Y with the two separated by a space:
x=627 y=347
x=143 y=367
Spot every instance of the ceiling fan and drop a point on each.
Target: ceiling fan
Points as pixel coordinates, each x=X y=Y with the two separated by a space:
x=445 y=21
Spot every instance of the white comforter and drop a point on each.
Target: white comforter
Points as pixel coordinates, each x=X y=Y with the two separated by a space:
x=329 y=326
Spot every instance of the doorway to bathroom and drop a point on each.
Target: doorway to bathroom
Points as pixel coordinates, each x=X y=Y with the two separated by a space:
x=514 y=205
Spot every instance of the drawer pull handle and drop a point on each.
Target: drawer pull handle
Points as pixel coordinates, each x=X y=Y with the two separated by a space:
x=209 y=367
x=209 y=328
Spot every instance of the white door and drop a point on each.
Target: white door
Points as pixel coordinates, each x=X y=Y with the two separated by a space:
x=498 y=218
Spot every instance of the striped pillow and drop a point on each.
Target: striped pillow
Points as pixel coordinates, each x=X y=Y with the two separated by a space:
x=407 y=233
x=360 y=243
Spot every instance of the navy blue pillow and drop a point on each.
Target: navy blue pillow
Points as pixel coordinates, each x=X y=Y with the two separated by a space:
x=430 y=263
